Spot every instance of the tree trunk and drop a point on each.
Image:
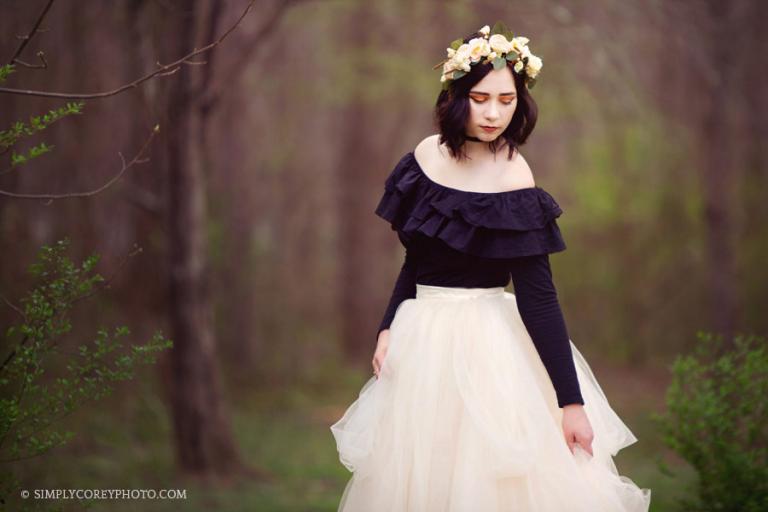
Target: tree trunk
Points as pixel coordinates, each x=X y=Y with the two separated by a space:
x=204 y=442
x=719 y=167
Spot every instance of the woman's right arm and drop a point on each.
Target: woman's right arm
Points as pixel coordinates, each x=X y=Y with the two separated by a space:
x=405 y=288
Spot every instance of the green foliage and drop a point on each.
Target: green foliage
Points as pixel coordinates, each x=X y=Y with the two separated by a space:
x=456 y=43
x=500 y=28
x=717 y=420
x=5 y=70
x=32 y=402
x=10 y=137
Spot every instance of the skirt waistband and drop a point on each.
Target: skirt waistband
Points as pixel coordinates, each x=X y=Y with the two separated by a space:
x=427 y=291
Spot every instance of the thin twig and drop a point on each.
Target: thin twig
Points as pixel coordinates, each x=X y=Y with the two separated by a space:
x=26 y=39
x=14 y=307
x=135 y=160
x=40 y=55
x=163 y=70
x=105 y=284
x=222 y=80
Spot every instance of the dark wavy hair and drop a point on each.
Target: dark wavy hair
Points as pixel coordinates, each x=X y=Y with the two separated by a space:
x=452 y=111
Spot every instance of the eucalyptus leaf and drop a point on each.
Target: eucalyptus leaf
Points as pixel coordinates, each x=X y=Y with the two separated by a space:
x=458 y=74
x=499 y=28
x=457 y=43
x=512 y=55
x=499 y=63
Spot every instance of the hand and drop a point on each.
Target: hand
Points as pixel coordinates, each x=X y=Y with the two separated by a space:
x=381 y=351
x=577 y=428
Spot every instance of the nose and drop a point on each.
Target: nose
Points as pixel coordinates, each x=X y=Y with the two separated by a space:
x=492 y=113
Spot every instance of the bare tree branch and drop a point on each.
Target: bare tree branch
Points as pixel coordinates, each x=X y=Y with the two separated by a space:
x=246 y=55
x=40 y=55
x=135 y=160
x=163 y=70
x=26 y=39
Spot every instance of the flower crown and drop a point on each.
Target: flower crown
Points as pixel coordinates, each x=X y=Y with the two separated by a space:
x=497 y=45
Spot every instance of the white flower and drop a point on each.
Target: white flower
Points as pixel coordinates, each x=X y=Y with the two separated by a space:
x=499 y=43
x=518 y=66
x=518 y=43
x=451 y=52
x=485 y=30
x=520 y=40
x=492 y=55
x=460 y=58
x=478 y=48
x=533 y=67
x=462 y=53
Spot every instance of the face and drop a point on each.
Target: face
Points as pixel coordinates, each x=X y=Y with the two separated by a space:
x=492 y=102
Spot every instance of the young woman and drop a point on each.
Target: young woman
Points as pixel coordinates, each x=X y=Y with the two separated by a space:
x=480 y=401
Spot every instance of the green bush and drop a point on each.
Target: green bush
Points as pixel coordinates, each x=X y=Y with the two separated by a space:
x=717 y=420
x=41 y=380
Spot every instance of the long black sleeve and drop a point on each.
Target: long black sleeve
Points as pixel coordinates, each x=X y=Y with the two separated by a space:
x=405 y=288
x=540 y=310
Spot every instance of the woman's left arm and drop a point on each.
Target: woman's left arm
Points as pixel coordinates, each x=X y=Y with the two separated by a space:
x=540 y=310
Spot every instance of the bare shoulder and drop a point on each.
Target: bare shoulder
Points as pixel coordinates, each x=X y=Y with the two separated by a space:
x=520 y=174
x=427 y=145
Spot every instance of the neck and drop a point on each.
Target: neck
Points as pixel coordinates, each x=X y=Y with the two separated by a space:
x=476 y=149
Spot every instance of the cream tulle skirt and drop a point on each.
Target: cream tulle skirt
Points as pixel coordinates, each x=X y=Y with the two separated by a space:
x=464 y=418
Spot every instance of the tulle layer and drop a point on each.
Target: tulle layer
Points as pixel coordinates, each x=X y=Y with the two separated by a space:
x=464 y=418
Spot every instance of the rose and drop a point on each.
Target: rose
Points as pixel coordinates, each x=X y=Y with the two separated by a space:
x=478 y=48
x=533 y=67
x=462 y=53
x=499 y=43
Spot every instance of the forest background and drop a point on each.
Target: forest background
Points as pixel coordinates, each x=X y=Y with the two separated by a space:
x=252 y=209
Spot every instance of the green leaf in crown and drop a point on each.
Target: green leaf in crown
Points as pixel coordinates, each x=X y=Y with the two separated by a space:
x=500 y=28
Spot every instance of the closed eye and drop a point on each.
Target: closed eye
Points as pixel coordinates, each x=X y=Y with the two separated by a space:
x=483 y=101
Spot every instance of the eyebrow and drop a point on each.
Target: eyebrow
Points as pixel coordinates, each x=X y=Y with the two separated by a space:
x=486 y=94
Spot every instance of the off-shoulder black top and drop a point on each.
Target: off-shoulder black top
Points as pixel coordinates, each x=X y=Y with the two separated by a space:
x=469 y=239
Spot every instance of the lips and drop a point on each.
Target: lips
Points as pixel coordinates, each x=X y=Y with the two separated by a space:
x=489 y=128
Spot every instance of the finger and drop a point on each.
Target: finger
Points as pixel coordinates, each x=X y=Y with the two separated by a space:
x=587 y=447
x=569 y=442
x=586 y=444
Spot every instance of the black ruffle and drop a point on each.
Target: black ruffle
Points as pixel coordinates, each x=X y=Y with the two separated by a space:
x=491 y=225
